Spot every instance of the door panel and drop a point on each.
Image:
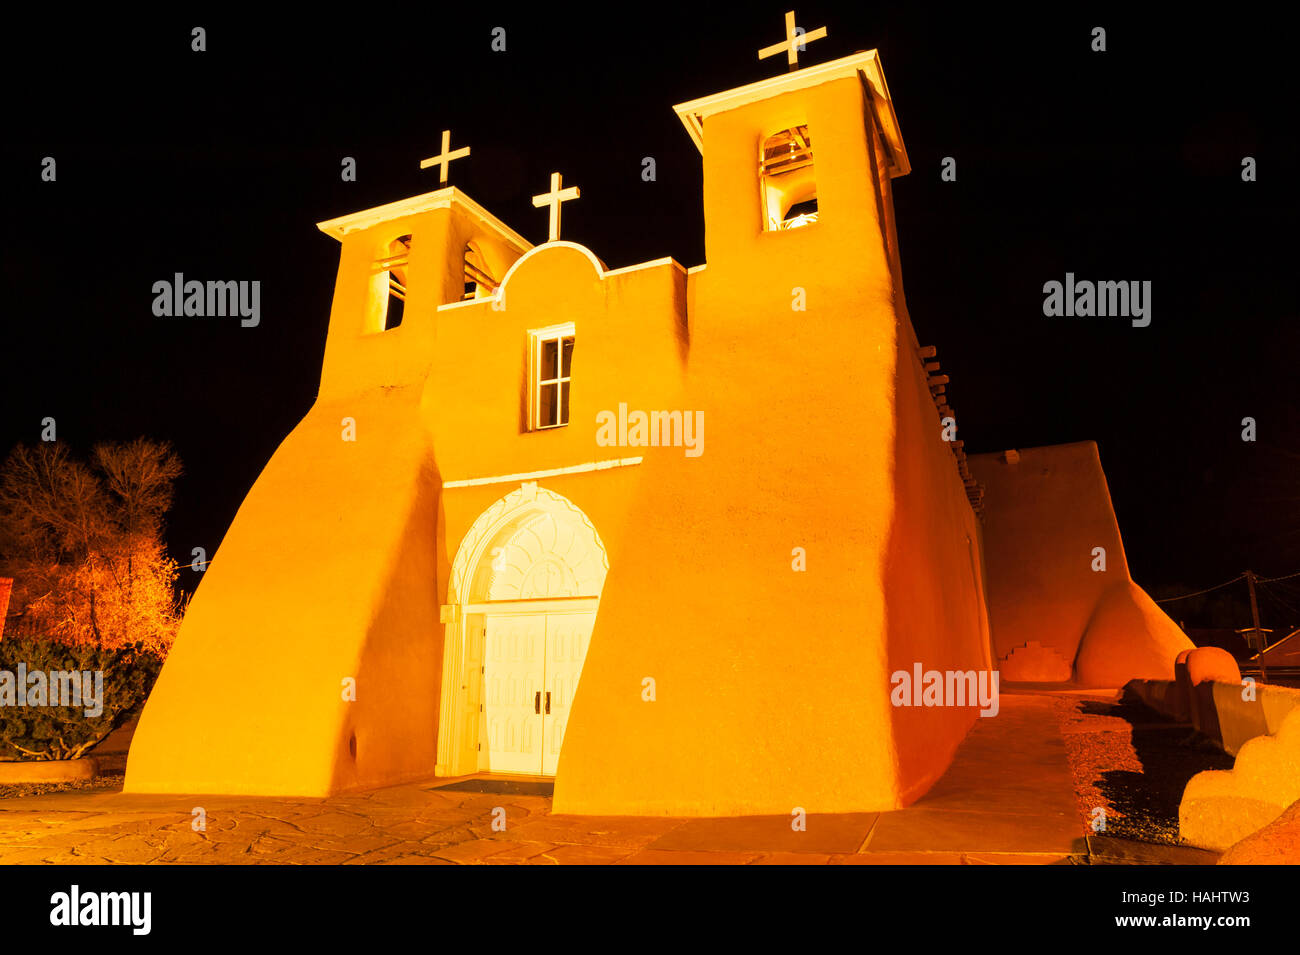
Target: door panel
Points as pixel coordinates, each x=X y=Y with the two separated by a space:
x=567 y=638
x=513 y=672
x=472 y=722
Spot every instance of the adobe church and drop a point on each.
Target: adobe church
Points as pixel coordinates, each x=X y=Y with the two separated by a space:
x=662 y=533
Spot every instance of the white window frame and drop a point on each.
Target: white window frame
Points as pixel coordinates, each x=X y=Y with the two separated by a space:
x=538 y=337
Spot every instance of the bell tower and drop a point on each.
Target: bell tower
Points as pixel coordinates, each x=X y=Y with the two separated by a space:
x=797 y=167
x=400 y=264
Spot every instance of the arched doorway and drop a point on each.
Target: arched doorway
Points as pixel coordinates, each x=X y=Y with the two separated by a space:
x=522 y=599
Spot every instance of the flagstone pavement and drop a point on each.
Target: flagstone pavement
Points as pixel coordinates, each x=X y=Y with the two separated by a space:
x=1007 y=799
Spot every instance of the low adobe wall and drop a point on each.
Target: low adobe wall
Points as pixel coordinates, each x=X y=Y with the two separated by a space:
x=1217 y=710
x=1220 y=808
x=13 y=772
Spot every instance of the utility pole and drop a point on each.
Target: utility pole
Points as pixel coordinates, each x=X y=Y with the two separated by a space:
x=1254 y=613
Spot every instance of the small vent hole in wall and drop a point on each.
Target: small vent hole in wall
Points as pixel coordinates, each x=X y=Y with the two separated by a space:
x=352 y=746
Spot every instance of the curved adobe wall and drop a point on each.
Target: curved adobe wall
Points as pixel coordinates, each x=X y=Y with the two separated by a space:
x=1046 y=510
x=299 y=596
x=1128 y=638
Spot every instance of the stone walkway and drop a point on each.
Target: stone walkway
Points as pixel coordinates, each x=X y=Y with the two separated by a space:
x=1008 y=798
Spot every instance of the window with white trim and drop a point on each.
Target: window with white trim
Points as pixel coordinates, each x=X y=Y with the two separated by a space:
x=550 y=373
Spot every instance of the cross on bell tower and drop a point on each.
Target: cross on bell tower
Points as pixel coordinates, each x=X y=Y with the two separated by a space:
x=553 y=199
x=794 y=43
x=444 y=158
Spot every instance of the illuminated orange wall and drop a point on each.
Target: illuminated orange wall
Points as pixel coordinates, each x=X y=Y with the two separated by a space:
x=772 y=685
x=314 y=582
x=1044 y=514
x=936 y=600
x=936 y=612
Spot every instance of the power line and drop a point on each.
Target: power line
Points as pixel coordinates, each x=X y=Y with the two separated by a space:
x=1278 y=600
x=1269 y=580
x=1258 y=580
x=1165 y=600
x=1291 y=589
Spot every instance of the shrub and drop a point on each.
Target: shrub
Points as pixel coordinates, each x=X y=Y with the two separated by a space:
x=66 y=732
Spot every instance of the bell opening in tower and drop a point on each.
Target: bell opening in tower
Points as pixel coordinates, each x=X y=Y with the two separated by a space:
x=788 y=181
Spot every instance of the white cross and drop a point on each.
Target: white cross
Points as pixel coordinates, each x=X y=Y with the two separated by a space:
x=794 y=42
x=443 y=159
x=553 y=199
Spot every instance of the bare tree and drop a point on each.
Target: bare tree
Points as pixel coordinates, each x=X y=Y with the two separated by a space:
x=84 y=544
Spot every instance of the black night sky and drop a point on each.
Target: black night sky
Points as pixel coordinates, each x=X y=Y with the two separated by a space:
x=1120 y=165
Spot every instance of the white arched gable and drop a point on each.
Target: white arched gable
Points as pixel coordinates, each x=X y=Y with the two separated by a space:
x=557 y=244
x=531 y=543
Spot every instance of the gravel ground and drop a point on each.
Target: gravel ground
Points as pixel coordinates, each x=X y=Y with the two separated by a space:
x=1133 y=763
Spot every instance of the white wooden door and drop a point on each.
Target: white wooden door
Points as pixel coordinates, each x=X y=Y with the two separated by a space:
x=472 y=719
x=567 y=638
x=513 y=673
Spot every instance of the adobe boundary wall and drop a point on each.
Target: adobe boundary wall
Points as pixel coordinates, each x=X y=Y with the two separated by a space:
x=1217 y=710
x=1219 y=808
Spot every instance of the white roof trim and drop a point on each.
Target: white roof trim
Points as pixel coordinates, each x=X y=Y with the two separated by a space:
x=652 y=264
x=867 y=65
x=442 y=199
x=464 y=302
x=549 y=472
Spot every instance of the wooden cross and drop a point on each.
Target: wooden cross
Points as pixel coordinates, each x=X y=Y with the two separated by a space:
x=794 y=42
x=553 y=199
x=443 y=159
